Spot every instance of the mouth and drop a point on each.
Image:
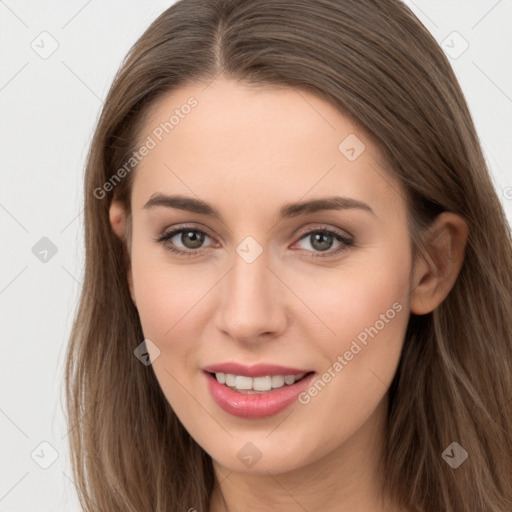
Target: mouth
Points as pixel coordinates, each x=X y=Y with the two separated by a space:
x=257 y=385
x=253 y=404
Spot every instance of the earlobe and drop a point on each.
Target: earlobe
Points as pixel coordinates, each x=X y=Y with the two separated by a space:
x=435 y=273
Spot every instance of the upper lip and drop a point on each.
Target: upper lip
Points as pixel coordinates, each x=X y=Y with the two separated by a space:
x=257 y=370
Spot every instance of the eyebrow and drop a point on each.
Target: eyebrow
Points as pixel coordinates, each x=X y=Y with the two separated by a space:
x=294 y=209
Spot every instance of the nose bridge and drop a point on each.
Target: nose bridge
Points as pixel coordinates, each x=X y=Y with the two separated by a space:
x=251 y=304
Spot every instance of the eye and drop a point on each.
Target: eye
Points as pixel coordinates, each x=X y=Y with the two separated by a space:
x=191 y=240
x=322 y=240
x=188 y=241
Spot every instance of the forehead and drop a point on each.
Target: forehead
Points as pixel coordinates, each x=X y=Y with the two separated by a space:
x=233 y=141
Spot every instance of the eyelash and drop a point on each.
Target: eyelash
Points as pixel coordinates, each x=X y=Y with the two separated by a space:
x=347 y=243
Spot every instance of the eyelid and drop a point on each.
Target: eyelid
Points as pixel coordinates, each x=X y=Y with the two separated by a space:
x=323 y=227
x=164 y=233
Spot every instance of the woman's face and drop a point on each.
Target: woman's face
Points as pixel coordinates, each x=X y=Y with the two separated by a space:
x=272 y=277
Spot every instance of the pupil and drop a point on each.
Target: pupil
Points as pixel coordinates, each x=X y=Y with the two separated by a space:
x=194 y=239
x=324 y=239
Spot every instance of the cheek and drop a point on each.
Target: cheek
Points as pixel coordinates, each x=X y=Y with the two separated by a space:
x=366 y=307
x=168 y=302
x=165 y=293
x=364 y=311
x=352 y=297
x=174 y=302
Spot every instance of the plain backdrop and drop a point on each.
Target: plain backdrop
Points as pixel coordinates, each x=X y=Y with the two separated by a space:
x=57 y=61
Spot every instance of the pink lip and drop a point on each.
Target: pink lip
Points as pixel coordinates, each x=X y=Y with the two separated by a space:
x=257 y=405
x=257 y=370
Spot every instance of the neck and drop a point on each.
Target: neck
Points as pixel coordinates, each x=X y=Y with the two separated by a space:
x=347 y=478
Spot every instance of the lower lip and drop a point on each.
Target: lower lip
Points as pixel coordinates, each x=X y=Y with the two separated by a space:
x=259 y=405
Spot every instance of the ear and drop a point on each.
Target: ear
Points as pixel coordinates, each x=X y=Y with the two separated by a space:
x=119 y=223
x=435 y=273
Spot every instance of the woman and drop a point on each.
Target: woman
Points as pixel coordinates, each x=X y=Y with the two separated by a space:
x=298 y=274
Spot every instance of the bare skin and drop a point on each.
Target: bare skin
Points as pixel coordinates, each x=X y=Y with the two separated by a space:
x=300 y=303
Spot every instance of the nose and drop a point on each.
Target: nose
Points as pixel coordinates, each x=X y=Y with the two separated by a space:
x=252 y=306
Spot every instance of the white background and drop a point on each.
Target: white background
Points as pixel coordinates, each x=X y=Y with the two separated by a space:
x=48 y=111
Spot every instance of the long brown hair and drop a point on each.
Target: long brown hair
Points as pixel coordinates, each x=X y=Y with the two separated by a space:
x=377 y=63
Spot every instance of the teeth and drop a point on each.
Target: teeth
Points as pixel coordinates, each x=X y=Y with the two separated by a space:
x=277 y=381
x=243 y=383
x=289 y=379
